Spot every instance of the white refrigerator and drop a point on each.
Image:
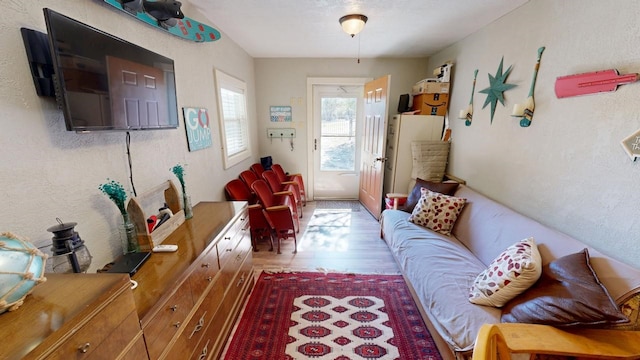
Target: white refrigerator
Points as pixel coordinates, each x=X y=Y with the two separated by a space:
x=402 y=130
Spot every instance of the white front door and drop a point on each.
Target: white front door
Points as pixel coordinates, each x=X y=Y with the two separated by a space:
x=337 y=118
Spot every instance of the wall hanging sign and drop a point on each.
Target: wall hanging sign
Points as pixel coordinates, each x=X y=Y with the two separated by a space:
x=497 y=86
x=166 y=15
x=280 y=113
x=468 y=113
x=631 y=145
x=197 y=124
x=526 y=112
x=591 y=83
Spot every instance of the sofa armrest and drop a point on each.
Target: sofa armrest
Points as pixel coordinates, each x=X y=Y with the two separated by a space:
x=499 y=341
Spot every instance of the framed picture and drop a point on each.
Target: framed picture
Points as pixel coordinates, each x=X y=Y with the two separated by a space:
x=280 y=113
x=631 y=145
x=198 y=127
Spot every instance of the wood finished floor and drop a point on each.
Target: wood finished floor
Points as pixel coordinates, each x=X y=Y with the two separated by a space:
x=335 y=236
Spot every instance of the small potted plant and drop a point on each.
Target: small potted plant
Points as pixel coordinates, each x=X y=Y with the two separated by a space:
x=115 y=191
x=178 y=171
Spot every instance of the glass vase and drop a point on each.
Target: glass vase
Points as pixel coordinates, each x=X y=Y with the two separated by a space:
x=129 y=236
x=188 y=209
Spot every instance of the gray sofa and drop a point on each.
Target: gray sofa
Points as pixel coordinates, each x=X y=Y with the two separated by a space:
x=441 y=269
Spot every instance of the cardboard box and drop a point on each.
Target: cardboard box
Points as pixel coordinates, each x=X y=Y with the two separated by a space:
x=431 y=104
x=430 y=87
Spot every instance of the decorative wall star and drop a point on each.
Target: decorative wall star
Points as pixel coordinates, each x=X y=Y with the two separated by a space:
x=496 y=88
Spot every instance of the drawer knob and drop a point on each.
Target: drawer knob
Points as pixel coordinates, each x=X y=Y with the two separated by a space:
x=227 y=237
x=205 y=265
x=229 y=250
x=174 y=308
x=84 y=348
x=240 y=281
x=177 y=324
x=209 y=278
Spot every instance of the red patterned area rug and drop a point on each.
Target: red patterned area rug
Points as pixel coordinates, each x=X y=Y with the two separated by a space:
x=331 y=317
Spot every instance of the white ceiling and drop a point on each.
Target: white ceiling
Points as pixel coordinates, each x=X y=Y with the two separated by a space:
x=310 y=28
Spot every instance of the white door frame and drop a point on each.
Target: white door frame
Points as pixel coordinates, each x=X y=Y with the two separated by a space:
x=310 y=83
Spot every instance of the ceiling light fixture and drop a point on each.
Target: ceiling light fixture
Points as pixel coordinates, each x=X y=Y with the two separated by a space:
x=353 y=23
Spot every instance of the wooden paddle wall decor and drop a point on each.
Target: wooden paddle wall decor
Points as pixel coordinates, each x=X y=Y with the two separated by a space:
x=467 y=114
x=591 y=83
x=526 y=112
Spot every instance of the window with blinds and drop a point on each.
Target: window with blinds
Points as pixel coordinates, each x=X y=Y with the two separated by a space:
x=233 y=118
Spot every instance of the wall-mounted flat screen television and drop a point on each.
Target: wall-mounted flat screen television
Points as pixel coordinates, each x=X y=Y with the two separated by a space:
x=106 y=83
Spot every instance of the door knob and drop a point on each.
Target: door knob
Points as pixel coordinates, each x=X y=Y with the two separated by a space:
x=381 y=159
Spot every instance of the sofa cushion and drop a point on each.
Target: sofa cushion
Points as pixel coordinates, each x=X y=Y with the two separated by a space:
x=436 y=211
x=508 y=275
x=440 y=270
x=568 y=293
x=447 y=188
x=487 y=227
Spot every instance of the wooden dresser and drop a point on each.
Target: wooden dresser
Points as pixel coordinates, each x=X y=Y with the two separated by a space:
x=183 y=308
x=78 y=316
x=188 y=300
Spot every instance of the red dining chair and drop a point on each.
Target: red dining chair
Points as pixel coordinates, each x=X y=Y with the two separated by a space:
x=257 y=168
x=277 y=168
x=274 y=183
x=260 y=228
x=277 y=210
x=248 y=177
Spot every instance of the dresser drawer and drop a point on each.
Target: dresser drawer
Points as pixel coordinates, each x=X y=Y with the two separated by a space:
x=216 y=334
x=231 y=238
x=165 y=323
x=234 y=258
x=137 y=351
x=105 y=335
x=244 y=276
x=204 y=272
x=201 y=319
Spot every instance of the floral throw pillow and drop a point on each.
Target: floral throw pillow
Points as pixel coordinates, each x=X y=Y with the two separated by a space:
x=515 y=270
x=436 y=211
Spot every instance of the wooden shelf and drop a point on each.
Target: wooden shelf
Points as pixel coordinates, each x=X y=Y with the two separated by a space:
x=145 y=205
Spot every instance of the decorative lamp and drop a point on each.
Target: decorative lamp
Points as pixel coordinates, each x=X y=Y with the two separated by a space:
x=21 y=268
x=353 y=23
x=69 y=254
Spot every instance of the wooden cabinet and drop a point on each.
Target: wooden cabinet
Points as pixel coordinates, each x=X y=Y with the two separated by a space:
x=183 y=308
x=189 y=299
x=75 y=316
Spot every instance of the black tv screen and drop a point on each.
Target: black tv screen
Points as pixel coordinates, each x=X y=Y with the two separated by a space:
x=106 y=83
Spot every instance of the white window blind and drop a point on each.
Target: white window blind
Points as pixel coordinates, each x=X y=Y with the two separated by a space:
x=232 y=104
x=235 y=121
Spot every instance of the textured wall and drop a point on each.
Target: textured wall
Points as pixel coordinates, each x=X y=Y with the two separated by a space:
x=568 y=170
x=279 y=80
x=48 y=172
